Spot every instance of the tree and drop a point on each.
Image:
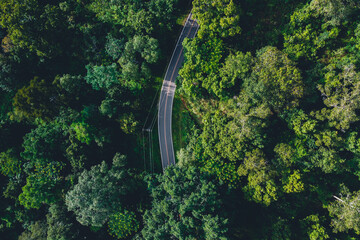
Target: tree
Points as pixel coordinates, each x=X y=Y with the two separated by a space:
x=275 y=80
x=231 y=130
x=341 y=91
x=122 y=224
x=37 y=100
x=334 y=11
x=301 y=123
x=43 y=163
x=74 y=87
x=345 y=211
x=285 y=155
x=46 y=142
x=102 y=77
x=316 y=26
x=10 y=72
x=11 y=165
x=261 y=186
x=186 y=205
x=293 y=183
x=37 y=231
x=36 y=26
x=114 y=47
x=43 y=186
x=118 y=102
x=280 y=230
x=326 y=154
x=138 y=53
x=129 y=15
x=200 y=70
x=313 y=228
x=100 y=192
x=87 y=129
x=59 y=226
x=136 y=17
x=217 y=17
x=164 y=12
x=236 y=68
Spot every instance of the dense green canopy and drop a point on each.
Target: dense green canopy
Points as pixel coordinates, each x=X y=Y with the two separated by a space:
x=266 y=120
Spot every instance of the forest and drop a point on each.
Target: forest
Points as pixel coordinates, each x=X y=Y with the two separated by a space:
x=266 y=120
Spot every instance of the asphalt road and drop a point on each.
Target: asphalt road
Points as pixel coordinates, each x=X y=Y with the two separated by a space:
x=168 y=91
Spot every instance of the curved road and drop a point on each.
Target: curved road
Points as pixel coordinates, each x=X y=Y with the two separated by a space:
x=168 y=91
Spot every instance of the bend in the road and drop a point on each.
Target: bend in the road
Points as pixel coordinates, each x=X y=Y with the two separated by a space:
x=167 y=94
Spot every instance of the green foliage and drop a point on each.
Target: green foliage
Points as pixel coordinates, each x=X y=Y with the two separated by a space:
x=285 y=155
x=316 y=27
x=200 y=70
x=59 y=225
x=345 y=211
x=37 y=231
x=73 y=85
x=227 y=135
x=100 y=192
x=43 y=186
x=280 y=128
x=38 y=100
x=44 y=143
x=114 y=47
x=275 y=80
x=218 y=17
x=341 y=90
x=139 y=52
x=164 y=12
x=136 y=16
x=122 y=224
x=236 y=68
x=9 y=71
x=186 y=205
x=82 y=132
x=117 y=103
x=102 y=77
x=353 y=143
x=10 y=163
x=75 y=153
x=313 y=228
x=261 y=186
x=281 y=230
x=293 y=183
x=301 y=123
x=86 y=127
x=42 y=152
x=128 y=123
x=35 y=26
x=115 y=13
x=326 y=155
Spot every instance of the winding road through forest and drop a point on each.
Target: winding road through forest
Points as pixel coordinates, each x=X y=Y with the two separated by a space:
x=168 y=92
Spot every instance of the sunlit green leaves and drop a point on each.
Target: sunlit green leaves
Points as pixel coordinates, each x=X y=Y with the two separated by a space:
x=217 y=17
x=275 y=80
x=122 y=224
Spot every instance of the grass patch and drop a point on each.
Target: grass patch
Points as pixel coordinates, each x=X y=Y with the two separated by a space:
x=182 y=124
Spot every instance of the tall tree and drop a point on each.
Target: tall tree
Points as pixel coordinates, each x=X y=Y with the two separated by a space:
x=217 y=17
x=341 y=91
x=345 y=210
x=36 y=26
x=100 y=192
x=275 y=80
x=186 y=205
x=37 y=100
